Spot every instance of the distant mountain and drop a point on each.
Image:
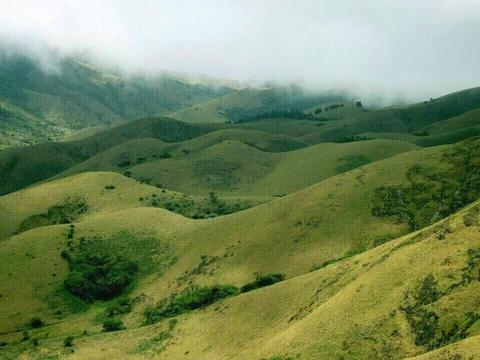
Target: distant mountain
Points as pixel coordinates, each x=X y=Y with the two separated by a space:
x=253 y=102
x=37 y=105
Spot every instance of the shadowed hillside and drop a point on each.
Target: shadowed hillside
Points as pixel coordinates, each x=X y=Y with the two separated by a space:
x=340 y=243
x=331 y=231
x=38 y=105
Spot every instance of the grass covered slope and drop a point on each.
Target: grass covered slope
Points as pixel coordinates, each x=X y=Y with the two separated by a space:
x=23 y=166
x=465 y=120
x=388 y=302
x=410 y=119
x=126 y=155
x=364 y=249
x=124 y=146
x=232 y=167
x=221 y=109
x=353 y=303
x=252 y=102
x=72 y=94
x=82 y=196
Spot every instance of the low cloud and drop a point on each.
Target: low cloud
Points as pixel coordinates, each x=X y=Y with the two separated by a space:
x=410 y=49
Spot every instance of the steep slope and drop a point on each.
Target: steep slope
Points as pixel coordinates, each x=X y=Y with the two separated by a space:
x=23 y=166
x=121 y=157
x=231 y=167
x=250 y=102
x=324 y=223
x=391 y=301
x=405 y=119
x=465 y=120
x=85 y=195
x=75 y=94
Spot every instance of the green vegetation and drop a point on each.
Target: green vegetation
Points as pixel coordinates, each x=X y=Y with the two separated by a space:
x=120 y=306
x=70 y=210
x=191 y=298
x=472 y=271
x=430 y=329
x=38 y=105
x=288 y=114
x=68 y=341
x=113 y=325
x=433 y=193
x=36 y=322
x=263 y=280
x=101 y=269
x=156 y=344
x=99 y=277
x=103 y=250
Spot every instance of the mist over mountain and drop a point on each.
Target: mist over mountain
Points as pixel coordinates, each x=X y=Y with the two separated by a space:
x=391 y=50
x=239 y=180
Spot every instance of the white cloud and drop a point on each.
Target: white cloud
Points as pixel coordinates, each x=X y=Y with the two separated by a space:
x=413 y=47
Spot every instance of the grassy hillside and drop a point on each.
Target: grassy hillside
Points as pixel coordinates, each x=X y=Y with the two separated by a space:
x=126 y=155
x=465 y=120
x=330 y=245
x=232 y=167
x=389 y=301
x=406 y=119
x=250 y=102
x=22 y=166
x=80 y=197
x=44 y=105
x=84 y=133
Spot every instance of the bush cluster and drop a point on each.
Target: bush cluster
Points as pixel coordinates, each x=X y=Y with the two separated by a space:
x=96 y=276
x=113 y=325
x=433 y=193
x=36 y=322
x=122 y=305
x=263 y=280
x=191 y=298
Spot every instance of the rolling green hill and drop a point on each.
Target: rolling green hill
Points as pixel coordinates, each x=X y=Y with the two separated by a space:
x=37 y=105
x=379 y=303
x=23 y=166
x=120 y=158
x=410 y=119
x=256 y=224
x=234 y=168
x=250 y=102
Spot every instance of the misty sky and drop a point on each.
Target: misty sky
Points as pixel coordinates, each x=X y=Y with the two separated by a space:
x=413 y=48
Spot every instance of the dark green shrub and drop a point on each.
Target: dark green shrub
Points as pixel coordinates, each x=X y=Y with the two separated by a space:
x=68 y=341
x=428 y=291
x=25 y=335
x=69 y=211
x=122 y=305
x=36 y=322
x=125 y=163
x=189 y=299
x=113 y=325
x=66 y=255
x=109 y=187
x=95 y=276
x=262 y=281
x=434 y=193
x=35 y=342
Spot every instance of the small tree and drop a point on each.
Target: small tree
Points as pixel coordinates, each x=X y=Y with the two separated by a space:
x=36 y=322
x=213 y=198
x=68 y=341
x=113 y=325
